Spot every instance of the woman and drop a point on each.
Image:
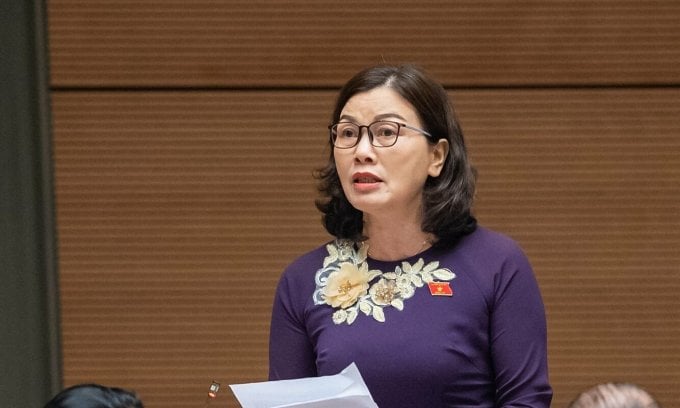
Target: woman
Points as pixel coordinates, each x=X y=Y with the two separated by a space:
x=434 y=311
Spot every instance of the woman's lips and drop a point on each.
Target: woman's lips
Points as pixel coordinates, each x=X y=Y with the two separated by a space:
x=365 y=178
x=365 y=181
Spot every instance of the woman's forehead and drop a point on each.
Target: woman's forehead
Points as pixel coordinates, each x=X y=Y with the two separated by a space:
x=378 y=102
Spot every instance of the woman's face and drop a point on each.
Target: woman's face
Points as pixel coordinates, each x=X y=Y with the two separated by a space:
x=387 y=180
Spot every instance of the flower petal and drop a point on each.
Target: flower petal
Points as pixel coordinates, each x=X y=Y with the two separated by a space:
x=443 y=274
x=431 y=266
x=398 y=304
x=373 y=274
x=339 y=316
x=378 y=314
x=351 y=316
x=362 y=254
x=365 y=307
x=332 y=254
x=407 y=292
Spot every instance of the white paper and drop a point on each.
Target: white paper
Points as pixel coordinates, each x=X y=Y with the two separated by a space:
x=343 y=390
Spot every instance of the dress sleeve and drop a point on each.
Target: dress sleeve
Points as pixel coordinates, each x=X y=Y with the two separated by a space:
x=291 y=354
x=519 y=337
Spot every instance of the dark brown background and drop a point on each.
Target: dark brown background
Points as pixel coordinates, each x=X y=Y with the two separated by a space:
x=186 y=133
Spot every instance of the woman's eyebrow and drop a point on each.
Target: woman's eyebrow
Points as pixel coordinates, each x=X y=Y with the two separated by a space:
x=348 y=117
x=377 y=117
x=389 y=115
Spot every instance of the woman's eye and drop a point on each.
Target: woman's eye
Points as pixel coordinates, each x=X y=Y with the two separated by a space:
x=348 y=133
x=386 y=131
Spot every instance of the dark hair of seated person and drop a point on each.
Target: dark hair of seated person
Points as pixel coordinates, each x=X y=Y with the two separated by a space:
x=94 y=396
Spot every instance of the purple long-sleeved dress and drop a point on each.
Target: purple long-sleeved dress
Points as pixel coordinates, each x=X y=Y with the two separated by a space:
x=477 y=339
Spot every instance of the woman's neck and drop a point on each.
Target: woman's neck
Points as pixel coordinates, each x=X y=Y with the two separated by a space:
x=391 y=241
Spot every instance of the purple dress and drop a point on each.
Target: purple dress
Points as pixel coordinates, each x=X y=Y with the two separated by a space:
x=477 y=339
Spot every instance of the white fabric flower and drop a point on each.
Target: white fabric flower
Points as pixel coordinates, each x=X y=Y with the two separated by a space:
x=384 y=292
x=344 y=283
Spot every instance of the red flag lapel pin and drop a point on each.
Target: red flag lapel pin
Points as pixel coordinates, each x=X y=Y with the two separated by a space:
x=440 y=288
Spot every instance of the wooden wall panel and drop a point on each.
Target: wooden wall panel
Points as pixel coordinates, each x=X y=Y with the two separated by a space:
x=185 y=135
x=272 y=43
x=178 y=210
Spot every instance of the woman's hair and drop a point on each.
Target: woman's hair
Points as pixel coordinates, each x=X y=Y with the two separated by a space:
x=447 y=199
x=94 y=396
x=615 y=395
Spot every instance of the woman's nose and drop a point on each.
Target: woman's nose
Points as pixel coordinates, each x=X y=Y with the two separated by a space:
x=364 y=150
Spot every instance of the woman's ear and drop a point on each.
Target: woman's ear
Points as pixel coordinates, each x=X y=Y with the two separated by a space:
x=438 y=155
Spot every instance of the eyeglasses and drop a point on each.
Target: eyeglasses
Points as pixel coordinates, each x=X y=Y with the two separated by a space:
x=381 y=133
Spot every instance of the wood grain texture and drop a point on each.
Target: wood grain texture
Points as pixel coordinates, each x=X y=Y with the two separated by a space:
x=186 y=134
x=178 y=210
x=272 y=43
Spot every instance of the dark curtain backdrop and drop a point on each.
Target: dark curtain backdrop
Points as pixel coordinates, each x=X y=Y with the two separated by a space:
x=29 y=349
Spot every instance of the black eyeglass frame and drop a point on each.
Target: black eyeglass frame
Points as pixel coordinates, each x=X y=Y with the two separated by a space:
x=370 y=134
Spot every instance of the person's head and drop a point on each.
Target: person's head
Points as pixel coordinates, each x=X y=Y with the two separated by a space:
x=426 y=169
x=615 y=395
x=94 y=396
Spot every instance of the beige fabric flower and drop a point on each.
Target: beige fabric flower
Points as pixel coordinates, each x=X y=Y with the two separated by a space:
x=346 y=285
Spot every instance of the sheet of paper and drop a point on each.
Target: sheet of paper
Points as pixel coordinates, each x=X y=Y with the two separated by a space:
x=343 y=390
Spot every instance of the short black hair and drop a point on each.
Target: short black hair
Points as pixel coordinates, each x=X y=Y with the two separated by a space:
x=94 y=396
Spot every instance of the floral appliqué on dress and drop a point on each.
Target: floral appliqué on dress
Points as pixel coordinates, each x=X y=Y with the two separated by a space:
x=344 y=282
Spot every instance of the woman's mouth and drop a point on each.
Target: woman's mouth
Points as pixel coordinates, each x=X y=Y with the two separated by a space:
x=365 y=182
x=365 y=178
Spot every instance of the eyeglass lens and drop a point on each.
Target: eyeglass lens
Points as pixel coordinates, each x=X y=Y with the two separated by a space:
x=381 y=134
